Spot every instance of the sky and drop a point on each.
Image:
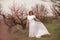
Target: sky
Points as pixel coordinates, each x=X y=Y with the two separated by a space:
x=28 y=4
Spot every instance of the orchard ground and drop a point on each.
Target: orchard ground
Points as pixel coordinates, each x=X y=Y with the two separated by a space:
x=18 y=33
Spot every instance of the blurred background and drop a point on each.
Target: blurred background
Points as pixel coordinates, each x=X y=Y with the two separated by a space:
x=13 y=16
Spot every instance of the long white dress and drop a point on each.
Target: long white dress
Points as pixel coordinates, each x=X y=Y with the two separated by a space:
x=36 y=29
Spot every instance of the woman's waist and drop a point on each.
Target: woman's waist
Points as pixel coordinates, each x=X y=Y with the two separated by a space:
x=31 y=21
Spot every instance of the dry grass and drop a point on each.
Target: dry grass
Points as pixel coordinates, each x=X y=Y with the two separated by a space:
x=54 y=28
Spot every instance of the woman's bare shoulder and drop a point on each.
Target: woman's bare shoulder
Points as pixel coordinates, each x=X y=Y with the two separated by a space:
x=31 y=16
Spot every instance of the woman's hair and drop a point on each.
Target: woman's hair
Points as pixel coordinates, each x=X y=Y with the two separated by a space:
x=31 y=12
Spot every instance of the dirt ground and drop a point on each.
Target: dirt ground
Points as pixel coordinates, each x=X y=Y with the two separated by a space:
x=19 y=34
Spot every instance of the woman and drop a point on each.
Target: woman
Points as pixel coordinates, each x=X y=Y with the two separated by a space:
x=36 y=28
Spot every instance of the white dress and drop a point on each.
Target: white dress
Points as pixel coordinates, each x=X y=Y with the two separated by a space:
x=36 y=29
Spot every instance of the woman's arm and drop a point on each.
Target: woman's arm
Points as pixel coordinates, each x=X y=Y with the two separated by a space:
x=36 y=19
x=27 y=23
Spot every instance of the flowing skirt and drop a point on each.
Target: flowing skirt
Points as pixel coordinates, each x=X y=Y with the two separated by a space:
x=37 y=29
